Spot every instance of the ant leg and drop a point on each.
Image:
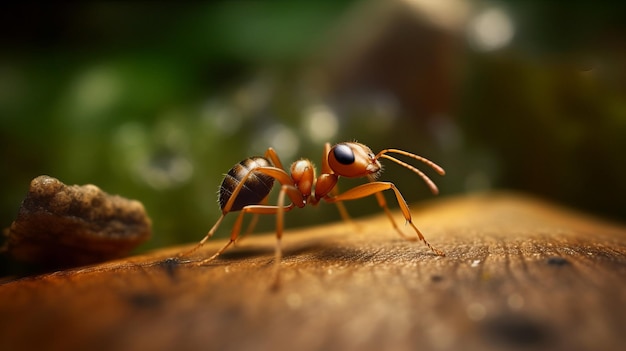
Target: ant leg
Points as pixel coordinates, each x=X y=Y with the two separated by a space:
x=278 y=253
x=273 y=156
x=343 y=212
x=249 y=229
x=372 y=188
x=252 y=224
x=255 y=209
x=383 y=204
x=204 y=240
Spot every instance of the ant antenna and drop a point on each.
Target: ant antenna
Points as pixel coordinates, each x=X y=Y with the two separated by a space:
x=431 y=185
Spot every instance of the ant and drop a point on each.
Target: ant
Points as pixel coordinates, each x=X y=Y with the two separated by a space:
x=247 y=185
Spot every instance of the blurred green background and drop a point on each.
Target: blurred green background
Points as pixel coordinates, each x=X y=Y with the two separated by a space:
x=155 y=101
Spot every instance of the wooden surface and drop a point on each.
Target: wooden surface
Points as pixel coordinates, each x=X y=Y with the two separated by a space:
x=519 y=274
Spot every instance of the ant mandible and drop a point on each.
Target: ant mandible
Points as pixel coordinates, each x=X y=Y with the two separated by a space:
x=247 y=185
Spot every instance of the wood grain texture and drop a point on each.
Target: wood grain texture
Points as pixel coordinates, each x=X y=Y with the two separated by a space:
x=519 y=274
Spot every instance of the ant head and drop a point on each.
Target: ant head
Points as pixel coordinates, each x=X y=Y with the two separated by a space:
x=353 y=160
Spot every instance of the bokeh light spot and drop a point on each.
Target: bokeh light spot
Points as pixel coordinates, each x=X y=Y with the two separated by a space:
x=321 y=123
x=490 y=30
x=94 y=91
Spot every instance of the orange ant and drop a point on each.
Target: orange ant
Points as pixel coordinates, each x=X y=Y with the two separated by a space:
x=247 y=185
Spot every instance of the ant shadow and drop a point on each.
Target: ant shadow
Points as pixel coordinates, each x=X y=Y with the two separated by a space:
x=303 y=251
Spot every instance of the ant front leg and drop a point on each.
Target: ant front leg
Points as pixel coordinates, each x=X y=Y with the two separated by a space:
x=383 y=204
x=376 y=188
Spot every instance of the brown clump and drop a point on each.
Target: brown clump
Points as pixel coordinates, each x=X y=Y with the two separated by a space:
x=62 y=226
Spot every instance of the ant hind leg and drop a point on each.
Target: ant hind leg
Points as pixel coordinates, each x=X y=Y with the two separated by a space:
x=204 y=240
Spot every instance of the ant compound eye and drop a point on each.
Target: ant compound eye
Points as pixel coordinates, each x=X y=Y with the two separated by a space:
x=344 y=154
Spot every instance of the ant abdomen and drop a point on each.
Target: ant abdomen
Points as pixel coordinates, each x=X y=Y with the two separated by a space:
x=255 y=189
